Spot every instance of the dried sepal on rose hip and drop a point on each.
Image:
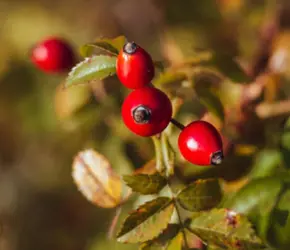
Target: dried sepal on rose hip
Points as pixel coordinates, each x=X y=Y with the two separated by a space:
x=134 y=66
x=53 y=55
x=147 y=111
x=200 y=143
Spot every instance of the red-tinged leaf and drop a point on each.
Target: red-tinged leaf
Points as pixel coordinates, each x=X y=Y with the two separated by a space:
x=92 y=68
x=225 y=228
x=145 y=184
x=96 y=180
x=112 y=46
x=147 y=222
x=200 y=195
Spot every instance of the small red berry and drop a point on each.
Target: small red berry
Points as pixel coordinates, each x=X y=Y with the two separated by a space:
x=53 y=55
x=135 y=68
x=200 y=143
x=147 y=111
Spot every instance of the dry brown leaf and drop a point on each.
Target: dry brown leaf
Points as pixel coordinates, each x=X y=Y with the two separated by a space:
x=96 y=179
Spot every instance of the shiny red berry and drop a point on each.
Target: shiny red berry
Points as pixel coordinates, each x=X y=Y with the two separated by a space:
x=200 y=143
x=135 y=68
x=53 y=55
x=147 y=111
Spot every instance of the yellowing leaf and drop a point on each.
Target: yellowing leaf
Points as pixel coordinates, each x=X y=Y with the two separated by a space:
x=164 y=239
x=175 y=243
x=112 y=46
x=92 y=68
x=147 y=222
x=96 y=180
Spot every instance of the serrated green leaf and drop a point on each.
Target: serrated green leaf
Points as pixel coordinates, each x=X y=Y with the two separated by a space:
x=227 y=65
x=169 y=78
x=93 y=68
x=225 y=228
x=200 y=195
x=112 y=46
x=211 y=102
x=145 y=184
x=147 y=222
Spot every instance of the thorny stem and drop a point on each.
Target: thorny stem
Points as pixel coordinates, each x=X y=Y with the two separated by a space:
x=179 y=217
x=177 y=124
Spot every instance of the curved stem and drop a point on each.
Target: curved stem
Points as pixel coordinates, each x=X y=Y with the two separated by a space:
x=177 y=124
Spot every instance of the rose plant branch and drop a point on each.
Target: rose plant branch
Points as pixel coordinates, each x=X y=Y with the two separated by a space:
x=147 y=111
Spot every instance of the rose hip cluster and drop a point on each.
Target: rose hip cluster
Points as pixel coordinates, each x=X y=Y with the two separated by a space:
x=147 y=111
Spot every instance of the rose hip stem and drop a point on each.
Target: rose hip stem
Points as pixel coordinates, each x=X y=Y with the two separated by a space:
x=177 y=124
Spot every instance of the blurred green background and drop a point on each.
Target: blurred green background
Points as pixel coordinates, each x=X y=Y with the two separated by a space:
x=42 y=127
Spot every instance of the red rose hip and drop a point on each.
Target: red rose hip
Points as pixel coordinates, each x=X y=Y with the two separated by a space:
x=200 y=143
x=134 y=66
x=53 y=55
x=147 y=111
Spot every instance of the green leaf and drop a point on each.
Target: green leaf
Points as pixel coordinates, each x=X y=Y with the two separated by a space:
x=147 y=222
x=145 y=184
x=266 y=163
x=280 y=221
x=225 y=228
x=259 y=195
x=93 y=68
x=285 y=143
x=112 y=46
x=200 y=195
x=169 y=78
x=226 y=64
x=211 y=102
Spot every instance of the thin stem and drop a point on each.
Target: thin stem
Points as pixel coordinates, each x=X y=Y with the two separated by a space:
x=182 y=225
x=158 y=154
x=177 y=124
x=179 y=217
x=114 y=223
